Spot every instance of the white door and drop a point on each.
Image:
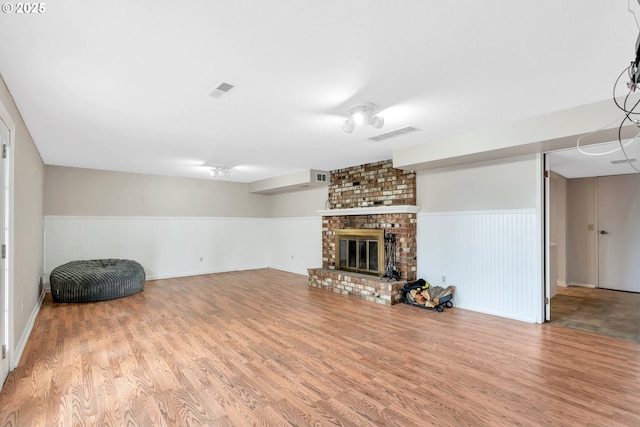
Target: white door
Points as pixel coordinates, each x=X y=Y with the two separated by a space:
x=619 y=232
x=4 y=300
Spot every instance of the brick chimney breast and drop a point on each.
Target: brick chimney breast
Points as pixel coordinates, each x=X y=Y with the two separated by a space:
x=376 y=184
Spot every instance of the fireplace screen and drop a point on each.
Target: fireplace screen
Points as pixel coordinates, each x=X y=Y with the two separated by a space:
x=361 y=251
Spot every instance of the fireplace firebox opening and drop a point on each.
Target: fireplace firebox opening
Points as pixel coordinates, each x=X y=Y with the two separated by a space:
x=361 y=251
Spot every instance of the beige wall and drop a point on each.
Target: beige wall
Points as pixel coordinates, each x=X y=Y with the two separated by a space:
x=581 y=240
x=298 y=204
x=89 y=192
x=499 y=184
x=27 y=214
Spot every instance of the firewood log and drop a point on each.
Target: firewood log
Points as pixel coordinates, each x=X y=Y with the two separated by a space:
x=420 y=299
x=426 y=295
x=450 y=290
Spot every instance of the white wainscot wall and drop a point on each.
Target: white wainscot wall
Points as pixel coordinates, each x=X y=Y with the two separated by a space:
x=177 y=247
x=295 y=244
x=492 y=257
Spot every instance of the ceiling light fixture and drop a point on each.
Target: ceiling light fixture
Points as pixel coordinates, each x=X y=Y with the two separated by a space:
x=360 y=114
x=220 y=169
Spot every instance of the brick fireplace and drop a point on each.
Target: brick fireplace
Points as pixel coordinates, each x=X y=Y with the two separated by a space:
x=371 y=196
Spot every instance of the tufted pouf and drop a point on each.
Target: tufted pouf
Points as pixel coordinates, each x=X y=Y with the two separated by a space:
x=96 y=280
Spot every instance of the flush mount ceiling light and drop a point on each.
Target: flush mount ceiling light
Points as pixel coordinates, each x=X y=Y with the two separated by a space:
x=362 y=114
x=220 y=169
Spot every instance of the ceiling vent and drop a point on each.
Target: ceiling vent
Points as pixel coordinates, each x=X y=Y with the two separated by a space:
x=393 y=133
x=623 y=161
x=220 y=89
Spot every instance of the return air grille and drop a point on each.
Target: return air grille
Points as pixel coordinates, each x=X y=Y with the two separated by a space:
x=220 y=89
x=619 y=162
x=393 y=133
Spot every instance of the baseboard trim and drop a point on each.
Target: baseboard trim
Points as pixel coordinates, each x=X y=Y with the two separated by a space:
x=204 y=272
x=301 y=271
x=581 y=285
x=494 y=313
x=17 y=353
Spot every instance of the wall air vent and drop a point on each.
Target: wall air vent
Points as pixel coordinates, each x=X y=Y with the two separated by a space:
x=220 y=89
x=393 y=133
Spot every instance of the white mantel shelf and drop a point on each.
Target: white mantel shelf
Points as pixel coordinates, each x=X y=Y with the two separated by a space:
x=373 y=210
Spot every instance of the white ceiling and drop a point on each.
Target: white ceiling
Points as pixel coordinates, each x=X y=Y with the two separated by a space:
x=596 y=160
x=120 y=85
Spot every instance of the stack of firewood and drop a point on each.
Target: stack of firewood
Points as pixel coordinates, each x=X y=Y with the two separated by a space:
x=431 y=296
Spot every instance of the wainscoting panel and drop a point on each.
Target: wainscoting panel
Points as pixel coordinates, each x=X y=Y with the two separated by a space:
x=492 y=257
x=166 y=247
x=295 y=244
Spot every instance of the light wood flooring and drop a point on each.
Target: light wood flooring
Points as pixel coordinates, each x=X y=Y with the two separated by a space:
x=601 y=311
x=262 y=348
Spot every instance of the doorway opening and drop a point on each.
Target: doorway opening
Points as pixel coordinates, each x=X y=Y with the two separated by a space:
x=592 y=239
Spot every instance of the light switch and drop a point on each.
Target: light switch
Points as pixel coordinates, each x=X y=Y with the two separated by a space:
x=590 y=227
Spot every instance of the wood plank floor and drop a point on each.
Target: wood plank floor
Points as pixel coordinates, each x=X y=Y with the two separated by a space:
x=262 y=348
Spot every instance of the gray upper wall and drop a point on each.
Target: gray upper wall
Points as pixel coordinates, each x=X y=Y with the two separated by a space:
x=498 y=184
x=298 y=203
x=89 y=192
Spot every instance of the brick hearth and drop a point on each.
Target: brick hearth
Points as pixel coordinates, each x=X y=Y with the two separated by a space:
x=362 y=286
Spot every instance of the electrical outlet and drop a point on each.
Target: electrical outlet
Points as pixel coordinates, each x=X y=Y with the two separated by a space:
x=444 y=278
x=200 y=259
x=22 y=306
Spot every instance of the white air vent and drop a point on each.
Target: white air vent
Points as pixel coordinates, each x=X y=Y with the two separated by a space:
x=321 y=177
x=393 y=133
x=620 y=162
x=220 y=89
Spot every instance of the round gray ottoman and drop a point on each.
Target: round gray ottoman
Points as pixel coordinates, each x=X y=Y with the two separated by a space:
x=96 y=280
